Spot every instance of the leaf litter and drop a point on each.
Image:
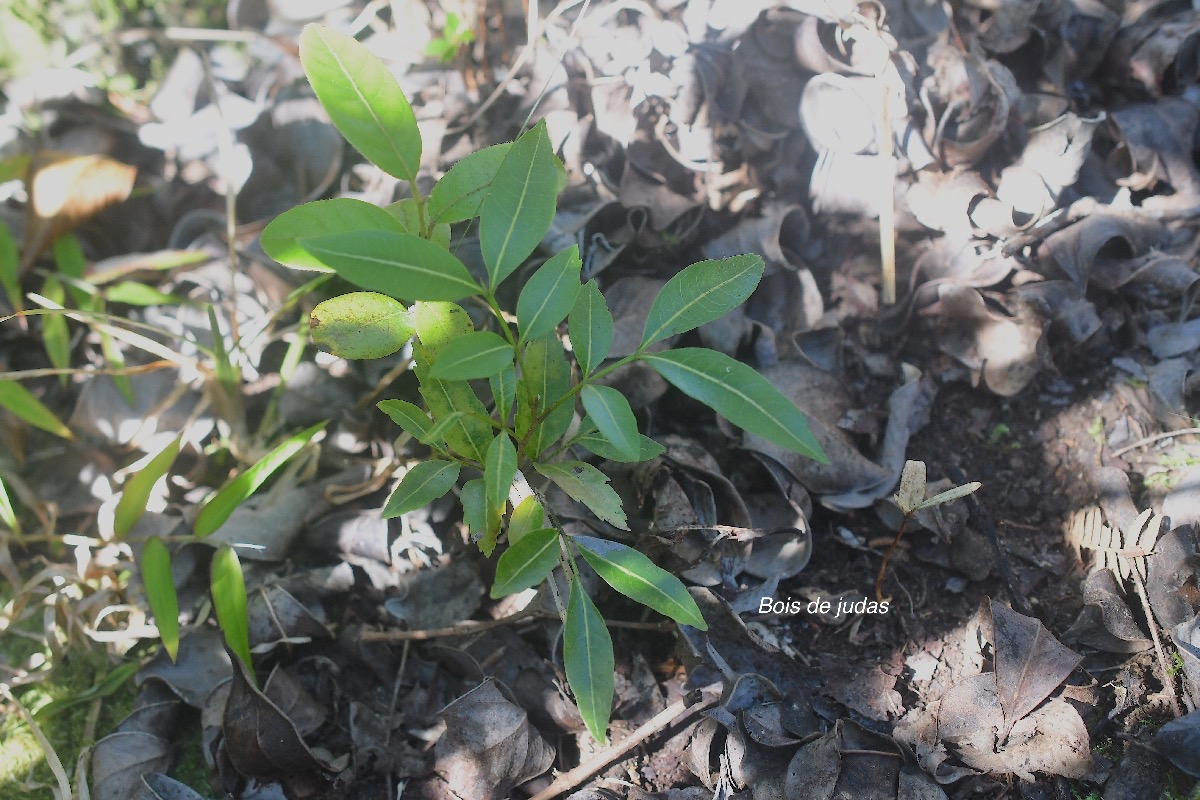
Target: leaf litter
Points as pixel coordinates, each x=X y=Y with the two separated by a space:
x=1039 y=163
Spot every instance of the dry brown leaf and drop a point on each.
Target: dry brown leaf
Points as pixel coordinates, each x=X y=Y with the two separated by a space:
x=64 y=191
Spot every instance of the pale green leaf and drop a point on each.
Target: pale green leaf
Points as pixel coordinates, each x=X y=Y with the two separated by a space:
x=160 y=593
x=136 y=491
x=549 y=294
x=402 y=265
x=460 y=192
x=526 y=563
x=499 y=469
x=951 y=494
x=412 y=420
x=229 y=601
x=340 y=215
x=218 y=508
x=738 y=393
x=17 y=399
x=637 y=577
x=439 y=324
x=8 y=515
x=591 y=327
x=361 y=325
x=586 y=484
x=135 y=293
x=363 y=100
x=912 y=487
x=519 y=206
x=420 y=486
x=588 y=659
x=527 y=516
x=610 y=412
x=56 y=336
x=701 y=293
x=480 y=354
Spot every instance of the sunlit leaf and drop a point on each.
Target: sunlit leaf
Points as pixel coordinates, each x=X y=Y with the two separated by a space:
x=950 y=494
x=361 y=325
x=402 y=265
x=17 y=399
x=420 y=486
x=8 y=514
x=637 y=577
x=363 y=100
x=412 y=420
x=526 y=563
x=586 y=484
x=591 y=327
x=549 y=294
x=9 y=262
x=217 y=510
x=610 y=412
x=160 y=593
x=588 y=659
x=229 y=601
x=480 y=354
x=519 y=206
x=738 y=393
x=136 y=491
x=56 y=336
x=135 y=293
x=338 y=215
x=460 y=192
x=527 y=516
x=703 y=292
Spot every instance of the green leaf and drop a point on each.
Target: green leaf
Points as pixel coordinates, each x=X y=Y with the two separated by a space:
x=136 y=491
x=474 y=503
x=504 y=391
x=549 y=295
x=526 y=563
x=412 y=420
x=361 y=325
x=135 y=293
x=363 y=100
x=701 y=293
x=594 y=442
x=17 y=399
x=637 y=577
x=402 y=265
x=229 y=601
x=436 y=436
x=591 y=327
x=527 y=516
x=586 y=484
x=588 y=658
x=481 y=354
x=439 y=324
x=611 y=413
x=109 y=684
x=420 y=486
x=218 y=508
x=499 y=469
x=56 y=336
x=547 y=377
x=519 y=206
x=738 y=393
x=340 y=215
x=8 y=514
x=460 y=192
x=71 y=262
x=160 y=592
x=951 y=494
x=9 y=263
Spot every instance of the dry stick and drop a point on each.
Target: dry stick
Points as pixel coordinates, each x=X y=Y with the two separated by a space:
x=977 y=512
x=1168 y=681
x=1158 y=437
x=663 y=719
x=461 y=629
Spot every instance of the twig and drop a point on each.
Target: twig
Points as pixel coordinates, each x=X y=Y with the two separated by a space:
x=1158 y=437
x=461 y=629
x=663 y=719
x=977 y=512
x=1168 y=681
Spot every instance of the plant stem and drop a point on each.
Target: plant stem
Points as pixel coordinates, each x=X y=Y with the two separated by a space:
x=887 y=557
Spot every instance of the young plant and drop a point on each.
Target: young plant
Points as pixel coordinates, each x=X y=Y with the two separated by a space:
x=455 y=36
x=401 y=256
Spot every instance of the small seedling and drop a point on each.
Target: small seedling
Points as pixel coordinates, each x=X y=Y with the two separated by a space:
x=910 y=499
x=542 y=410
x=456 y=35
